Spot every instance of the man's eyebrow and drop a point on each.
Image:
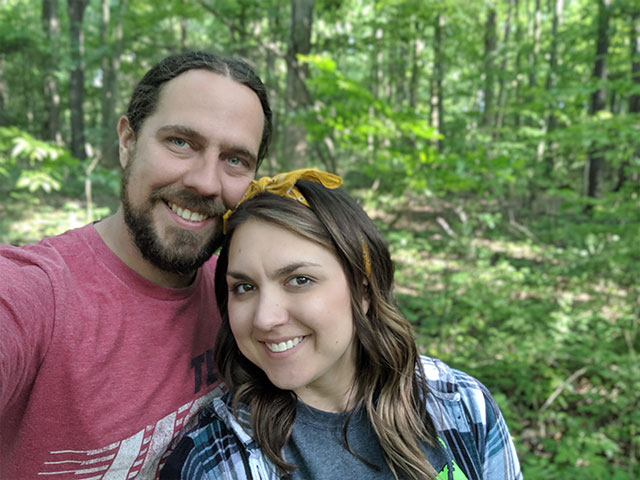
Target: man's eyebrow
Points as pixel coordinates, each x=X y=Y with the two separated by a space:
x=242 y=152
x=181 y=130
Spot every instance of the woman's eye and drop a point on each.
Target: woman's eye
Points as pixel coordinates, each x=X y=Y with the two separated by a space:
x=241 y=288
x=299 y=281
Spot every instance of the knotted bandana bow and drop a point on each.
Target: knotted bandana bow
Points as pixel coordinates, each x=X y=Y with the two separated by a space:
x=284 y=184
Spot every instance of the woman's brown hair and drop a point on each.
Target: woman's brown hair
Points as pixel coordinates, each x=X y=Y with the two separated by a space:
x=390 y=384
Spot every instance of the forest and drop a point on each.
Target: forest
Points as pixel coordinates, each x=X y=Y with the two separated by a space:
x=496 y=143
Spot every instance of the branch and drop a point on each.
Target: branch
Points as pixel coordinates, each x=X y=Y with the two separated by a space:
x=445 y=226
x=562 y=387
x=518 y=227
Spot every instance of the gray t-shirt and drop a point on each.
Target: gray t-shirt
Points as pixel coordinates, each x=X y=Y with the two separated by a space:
x=316 y=447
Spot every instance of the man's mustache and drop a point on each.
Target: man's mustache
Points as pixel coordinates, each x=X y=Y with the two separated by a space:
x=210 y=206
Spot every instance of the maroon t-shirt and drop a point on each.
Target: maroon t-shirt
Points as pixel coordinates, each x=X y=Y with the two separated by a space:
x=100 y=369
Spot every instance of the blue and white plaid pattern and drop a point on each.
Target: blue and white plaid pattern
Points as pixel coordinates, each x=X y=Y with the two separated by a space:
x=464 y=413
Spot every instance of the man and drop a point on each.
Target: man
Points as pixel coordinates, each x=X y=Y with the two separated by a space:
x=107 y=331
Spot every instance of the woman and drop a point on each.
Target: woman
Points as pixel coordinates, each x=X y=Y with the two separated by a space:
x=324 y=376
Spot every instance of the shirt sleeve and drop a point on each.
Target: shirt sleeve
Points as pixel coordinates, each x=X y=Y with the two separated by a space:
x=27 y=309
x=500 y=457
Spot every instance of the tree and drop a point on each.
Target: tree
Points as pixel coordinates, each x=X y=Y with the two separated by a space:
x=296 y=95
x=76 y=10
x=3 y=88
x=437 y=95
x=534 y=26
x=51 y=27
x=557 y=6
x=595 y=159
x=490 y=45
x=110 y=67
x=503 y=68
x=634 y=99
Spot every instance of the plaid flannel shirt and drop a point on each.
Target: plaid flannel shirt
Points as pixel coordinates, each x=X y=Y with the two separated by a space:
x=465 y=415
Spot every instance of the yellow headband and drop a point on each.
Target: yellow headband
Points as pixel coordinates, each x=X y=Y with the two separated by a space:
x=284 y=184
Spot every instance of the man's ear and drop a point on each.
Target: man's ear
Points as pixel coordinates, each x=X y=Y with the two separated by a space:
x=126 y=140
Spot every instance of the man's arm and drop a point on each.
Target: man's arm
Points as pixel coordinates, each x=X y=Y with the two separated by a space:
x=27 y=310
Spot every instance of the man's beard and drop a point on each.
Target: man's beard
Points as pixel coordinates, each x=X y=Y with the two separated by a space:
x=179 y=252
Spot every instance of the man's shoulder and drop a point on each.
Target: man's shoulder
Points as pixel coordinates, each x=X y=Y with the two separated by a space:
x=48 y=247
x=43 y=259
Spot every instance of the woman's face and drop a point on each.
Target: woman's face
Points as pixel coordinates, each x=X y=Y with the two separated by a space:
x=290 y=312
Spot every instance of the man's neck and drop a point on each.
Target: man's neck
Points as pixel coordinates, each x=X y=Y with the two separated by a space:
x=116 y=236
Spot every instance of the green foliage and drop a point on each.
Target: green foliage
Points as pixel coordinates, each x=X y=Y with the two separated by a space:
x=358 y=122
x=45 y=186
x=550 y=325
x=31 y=164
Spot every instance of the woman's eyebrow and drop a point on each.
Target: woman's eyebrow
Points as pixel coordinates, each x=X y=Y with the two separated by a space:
x=286 y=270
x=292 y=267
x=237 y=275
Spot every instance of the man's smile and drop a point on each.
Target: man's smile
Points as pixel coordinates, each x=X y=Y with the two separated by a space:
x=186 y=213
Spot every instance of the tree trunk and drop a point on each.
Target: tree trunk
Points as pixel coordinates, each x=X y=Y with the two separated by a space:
x=51 y=28
x=183 y=32
x=76 y=10
x=109 y=93
x=437 y=102
x=490 y=41
x=3 y=89
x=518 y=61
x=595 y=159
x=535 y=49
x=634 y=100
x=397 y=74
x=376 y=79
x=271 y=81
x=549 y=160
x=296 y=95
x=503 y=68
x=417 y=45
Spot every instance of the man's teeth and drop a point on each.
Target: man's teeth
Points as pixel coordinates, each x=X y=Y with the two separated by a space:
x=283 y=346
x=186 y=213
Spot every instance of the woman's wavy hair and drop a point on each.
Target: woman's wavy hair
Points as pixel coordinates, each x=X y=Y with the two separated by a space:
x=390 y=384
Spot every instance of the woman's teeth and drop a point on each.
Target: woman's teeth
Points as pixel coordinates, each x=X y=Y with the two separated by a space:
x=283 y=346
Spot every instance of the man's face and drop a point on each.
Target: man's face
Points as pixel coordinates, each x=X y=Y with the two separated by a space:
x=192 y=160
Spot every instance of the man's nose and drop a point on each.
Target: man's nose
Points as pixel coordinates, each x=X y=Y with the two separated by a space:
x=205 y=175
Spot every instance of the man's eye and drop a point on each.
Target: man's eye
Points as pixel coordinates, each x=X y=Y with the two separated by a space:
x=299 y=281
x=237 y=162
x=179 y=142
